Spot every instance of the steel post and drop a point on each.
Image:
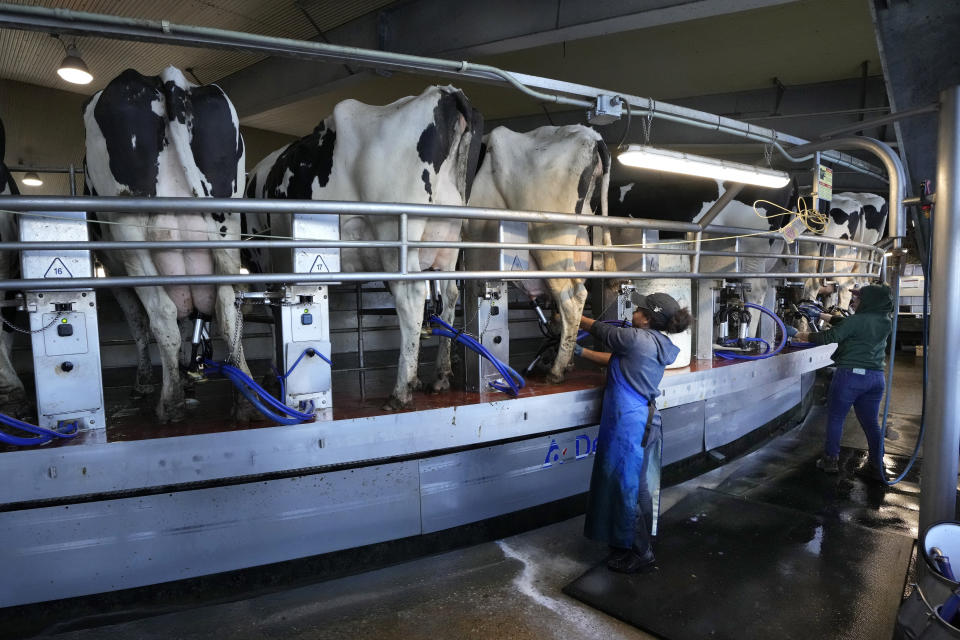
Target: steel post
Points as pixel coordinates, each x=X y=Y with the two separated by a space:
x=939 y=475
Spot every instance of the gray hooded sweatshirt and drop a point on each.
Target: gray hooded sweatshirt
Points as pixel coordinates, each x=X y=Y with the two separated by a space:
x=644 y=353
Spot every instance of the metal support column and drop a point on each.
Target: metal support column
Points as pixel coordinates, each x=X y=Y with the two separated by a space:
x=703 y=339
x=939 y=475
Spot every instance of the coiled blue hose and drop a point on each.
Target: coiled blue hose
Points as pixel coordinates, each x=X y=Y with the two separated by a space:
x=514 y=380
x=728 y=355
x=43 y=434
x=733 y=341
x=257 y=395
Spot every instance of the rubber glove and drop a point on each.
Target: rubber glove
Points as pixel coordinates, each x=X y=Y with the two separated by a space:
x=577 y=350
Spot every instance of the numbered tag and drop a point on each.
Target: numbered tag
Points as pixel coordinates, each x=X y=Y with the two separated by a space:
x=793 y=230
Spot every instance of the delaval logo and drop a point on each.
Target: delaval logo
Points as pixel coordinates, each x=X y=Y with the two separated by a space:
x=583 y=447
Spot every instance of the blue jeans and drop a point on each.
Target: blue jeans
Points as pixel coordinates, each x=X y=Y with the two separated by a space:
x=863 y=392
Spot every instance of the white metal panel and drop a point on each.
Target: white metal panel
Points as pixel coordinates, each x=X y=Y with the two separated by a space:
x=67 y=551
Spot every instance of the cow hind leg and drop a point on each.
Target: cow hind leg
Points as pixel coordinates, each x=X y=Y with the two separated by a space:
x=409 y=298
x=139 y=326
x=228 y=317
x=450 y=293
x=163 y=324
x=570 y=296
x=13 y=397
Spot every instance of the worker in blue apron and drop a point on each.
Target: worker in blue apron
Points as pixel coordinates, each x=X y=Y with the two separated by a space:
x=624 y=495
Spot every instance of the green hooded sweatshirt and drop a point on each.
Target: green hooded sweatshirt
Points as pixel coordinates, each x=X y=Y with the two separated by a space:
x=862 y=338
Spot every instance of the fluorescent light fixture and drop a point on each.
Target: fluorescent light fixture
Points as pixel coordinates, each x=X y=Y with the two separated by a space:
x=31 y=179
x=73 y=69
x=644 y=157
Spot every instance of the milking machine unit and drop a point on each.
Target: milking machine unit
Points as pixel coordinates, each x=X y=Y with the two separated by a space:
x=625 y=306
x=64 y=332
x=304 y=333
x=302 y=317
x=732 y=319
x=485 y=310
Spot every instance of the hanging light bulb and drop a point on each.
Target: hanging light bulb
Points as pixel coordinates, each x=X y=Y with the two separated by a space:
x=31 y=179
x=73 y=69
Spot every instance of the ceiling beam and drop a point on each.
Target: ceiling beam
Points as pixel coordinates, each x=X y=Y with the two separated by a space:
x=430 y=28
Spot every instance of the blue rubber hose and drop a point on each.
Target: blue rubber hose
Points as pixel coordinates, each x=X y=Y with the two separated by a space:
x=311 y=351
x=42 y=434
x=728 y=355
x=889 y=384
x=514 y=380
x=257 y=395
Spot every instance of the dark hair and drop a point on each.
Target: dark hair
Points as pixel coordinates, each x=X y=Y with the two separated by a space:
x=678 y=323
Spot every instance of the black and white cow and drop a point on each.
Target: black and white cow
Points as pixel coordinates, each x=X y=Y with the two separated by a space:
x=678 y=198
x=150 y=136
x=420 y=149
x=555 y=169
x=853 y=216
x=13 y=399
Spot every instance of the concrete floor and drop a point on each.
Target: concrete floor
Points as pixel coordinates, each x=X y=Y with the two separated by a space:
x=510 y=588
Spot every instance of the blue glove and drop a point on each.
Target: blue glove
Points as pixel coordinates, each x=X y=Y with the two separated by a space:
x=577 y=350
x=791 y=330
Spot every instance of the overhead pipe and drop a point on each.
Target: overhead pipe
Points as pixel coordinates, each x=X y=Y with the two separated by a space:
x=896 y=220
x=63 y=21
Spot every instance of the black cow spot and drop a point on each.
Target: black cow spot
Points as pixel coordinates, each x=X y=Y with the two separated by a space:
x=874 y=219
x=309 y=158
x=425 y=176
x=436 y=139
x=252 y=187
x=219 y=217
x=176 y=99
x=212 y=136
x=839 y=215
x=844 y=236
x=223 y=231
x=123 y=111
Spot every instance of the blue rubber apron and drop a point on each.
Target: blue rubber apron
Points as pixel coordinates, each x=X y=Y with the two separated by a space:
x=619 y=470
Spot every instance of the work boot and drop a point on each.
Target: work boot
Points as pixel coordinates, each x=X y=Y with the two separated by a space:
x=871 y=472
x=629 y=561
x=828 y=464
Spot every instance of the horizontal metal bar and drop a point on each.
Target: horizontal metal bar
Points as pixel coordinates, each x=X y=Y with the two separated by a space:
x=107 y=245
x=52 y=204
x=52 y=284
x=103 y=204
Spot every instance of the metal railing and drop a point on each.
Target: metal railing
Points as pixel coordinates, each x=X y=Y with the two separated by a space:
x=48 y=206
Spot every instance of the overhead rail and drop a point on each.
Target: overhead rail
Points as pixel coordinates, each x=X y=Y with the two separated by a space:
x=63 y=21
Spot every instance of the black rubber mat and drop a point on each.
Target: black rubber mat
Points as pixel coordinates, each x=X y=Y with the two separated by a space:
x=738 y=569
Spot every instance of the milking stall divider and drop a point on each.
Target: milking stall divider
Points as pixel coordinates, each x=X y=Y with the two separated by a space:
x=93 y=515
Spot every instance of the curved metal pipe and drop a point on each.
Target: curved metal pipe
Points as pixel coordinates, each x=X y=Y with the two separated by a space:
x=896 y=221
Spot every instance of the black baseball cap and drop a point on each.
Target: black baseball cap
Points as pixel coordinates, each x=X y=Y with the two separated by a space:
x=661 y=307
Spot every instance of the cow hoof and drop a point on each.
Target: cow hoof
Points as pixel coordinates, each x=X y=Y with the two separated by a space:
x=553 y=378
x=141 y=391
x=172 y=414
x=440 y=385
x=415 y=385
x=396 y=404
x=19 y=409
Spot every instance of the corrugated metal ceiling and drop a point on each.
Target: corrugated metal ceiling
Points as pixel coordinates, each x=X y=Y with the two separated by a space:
x=33 y=57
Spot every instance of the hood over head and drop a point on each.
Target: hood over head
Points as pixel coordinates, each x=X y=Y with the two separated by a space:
x=875 y=298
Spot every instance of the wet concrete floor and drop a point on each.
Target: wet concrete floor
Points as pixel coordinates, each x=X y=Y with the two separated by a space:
x=511 y=588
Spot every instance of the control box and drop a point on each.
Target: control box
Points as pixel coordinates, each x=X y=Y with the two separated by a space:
x=63 y=325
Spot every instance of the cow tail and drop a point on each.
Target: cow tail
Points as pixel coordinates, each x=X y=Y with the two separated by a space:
x=609 y=259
